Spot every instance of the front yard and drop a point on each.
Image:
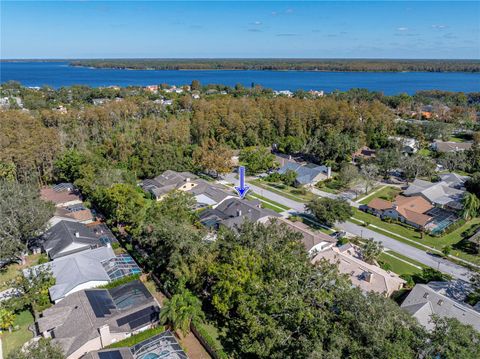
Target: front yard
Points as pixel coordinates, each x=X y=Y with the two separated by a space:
x=296 y=194
x=387 y=193
x=20 y=335
x=450 y=239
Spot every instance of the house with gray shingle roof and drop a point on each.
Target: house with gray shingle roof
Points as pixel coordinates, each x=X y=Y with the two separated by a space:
x=233 y=212
x=442 y=299
x=205 y=193
x=443 y=194
x=84 y=270
x=92 y=319
x=67 y=237
x=308 y=174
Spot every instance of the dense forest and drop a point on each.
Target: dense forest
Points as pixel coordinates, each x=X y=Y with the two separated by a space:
x=370 y=65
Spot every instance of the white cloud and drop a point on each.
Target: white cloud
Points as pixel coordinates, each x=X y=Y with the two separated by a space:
x=402 y=28
x=439 y=27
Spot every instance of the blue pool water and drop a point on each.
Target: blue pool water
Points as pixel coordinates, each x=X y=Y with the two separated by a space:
x=58 y=74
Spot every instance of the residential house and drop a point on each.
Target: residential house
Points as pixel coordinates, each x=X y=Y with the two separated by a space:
x=442 y=299
x=68 y=237
x=62 y=195
x=367 y=277
x=152 y=88
x=77 y=212
x=308 y=174
x=313 y=241
x=443 y=194
x=164 y=345
x=448 y=146
x=233 y=212
x=408 y=145
x=85 y=270
x=364 y=153
x=411 y=210
x=167 y=182
x=92 y=319
x=205 y=193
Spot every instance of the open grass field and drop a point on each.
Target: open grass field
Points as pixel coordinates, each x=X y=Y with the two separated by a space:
x=19 y=336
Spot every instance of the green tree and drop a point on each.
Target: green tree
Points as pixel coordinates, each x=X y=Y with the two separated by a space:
x=41 y=349
x=289 y=178
x=195 y=85
x=369 y=174
x=124 y=205
x=371 y=250
x=451 y=340
x=257 y=159
x=473 y=184
x=470 y=206
x=416 y=165
x=67 y=166
x=23 y=215
x=182 y=310
x=328 y=211
x=33 y=287
x=348 y=175
x=8 y=171
x=446 y=250
x=7 y=318
x=387 y=160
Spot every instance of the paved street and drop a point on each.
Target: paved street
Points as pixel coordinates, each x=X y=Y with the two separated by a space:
x=441 y=264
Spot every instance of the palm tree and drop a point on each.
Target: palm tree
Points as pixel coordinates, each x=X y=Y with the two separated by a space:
x=182 y=310
x=471 y=206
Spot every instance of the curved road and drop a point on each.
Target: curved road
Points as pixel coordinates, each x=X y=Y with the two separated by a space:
x=414 y=253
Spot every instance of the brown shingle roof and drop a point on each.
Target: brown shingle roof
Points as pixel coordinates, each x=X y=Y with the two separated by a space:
x=380 y=204
x=59 y=198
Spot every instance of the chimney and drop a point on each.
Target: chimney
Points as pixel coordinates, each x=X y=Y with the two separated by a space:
x=239 y=212
x=289 y=157
x=105 y=336
x=187 y=179
x=77 y=234
x=329 y=172
x=109 y=245
x=368 y=276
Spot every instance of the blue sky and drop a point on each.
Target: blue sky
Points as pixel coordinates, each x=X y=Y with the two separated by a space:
x=92 y=29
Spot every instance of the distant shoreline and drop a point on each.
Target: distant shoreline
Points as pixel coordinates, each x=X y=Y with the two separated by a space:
x=313 y=65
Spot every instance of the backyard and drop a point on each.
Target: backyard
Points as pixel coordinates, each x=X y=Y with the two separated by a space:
x=20 y=335
x=11 y=271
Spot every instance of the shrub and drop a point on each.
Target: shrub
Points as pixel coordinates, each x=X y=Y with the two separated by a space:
x=212 y=343
x=120 y=281
x=301 y=191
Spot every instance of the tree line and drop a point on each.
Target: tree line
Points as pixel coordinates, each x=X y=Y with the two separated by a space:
x=371 y=65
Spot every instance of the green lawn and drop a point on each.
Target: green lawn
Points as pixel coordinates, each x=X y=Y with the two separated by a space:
x=20 y=335
x=288 y=192
x=13 y=270
x=268 y=203
x=410 y=233
x=398 y=266
x=387 y=193
x=425 y=152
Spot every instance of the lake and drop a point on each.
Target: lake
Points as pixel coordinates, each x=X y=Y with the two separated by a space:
x=58 y=74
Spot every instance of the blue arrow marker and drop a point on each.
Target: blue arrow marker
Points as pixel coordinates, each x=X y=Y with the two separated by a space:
x=242 y=189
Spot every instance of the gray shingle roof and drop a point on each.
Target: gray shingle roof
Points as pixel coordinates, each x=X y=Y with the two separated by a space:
x=74 y=321
x=443 y=299
x=440 y=193
x=233 y=212
x=306 y=173
x=76 y=269
x=64 y=233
